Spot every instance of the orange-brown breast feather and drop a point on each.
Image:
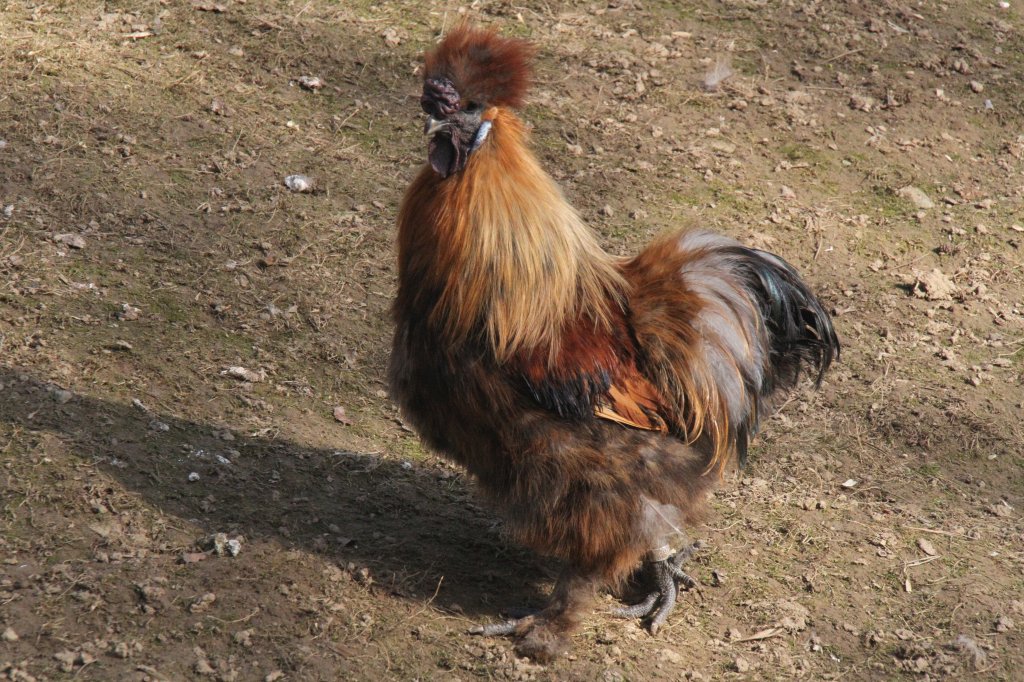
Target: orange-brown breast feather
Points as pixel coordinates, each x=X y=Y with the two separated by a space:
x=633 y=401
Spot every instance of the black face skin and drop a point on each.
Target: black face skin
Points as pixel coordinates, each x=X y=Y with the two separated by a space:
x=452 y=124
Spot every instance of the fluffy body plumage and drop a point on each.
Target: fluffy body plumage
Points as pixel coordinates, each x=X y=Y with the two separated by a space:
x=591 y=397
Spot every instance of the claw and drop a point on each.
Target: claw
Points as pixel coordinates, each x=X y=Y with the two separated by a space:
x=660 y=603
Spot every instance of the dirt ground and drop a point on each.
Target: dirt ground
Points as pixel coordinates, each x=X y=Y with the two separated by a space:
x=188 y=348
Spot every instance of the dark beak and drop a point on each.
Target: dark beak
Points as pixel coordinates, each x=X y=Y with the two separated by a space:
x=433 y=126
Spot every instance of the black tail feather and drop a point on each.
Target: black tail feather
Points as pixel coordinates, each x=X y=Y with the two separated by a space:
x=800 y=331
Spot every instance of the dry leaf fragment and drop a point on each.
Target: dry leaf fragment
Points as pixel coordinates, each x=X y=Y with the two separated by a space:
x=341 y=417
x=926 y=547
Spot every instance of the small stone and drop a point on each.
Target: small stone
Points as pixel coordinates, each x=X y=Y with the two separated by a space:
x=75 y=241
x=741 y=664
x=244 y=637
x=66 y=659
x=274 y=676
x=299 y=183
x=1004 y=624
x=202 y=603
x=607 y=211
x=62 y=396
x=977 y=86
x=934 y=286
x=863 y=102
x=312 y=83
x=9 y=635
x=203 y=667
x=128 y=312
x=926 y=547
x=244 y=374
x=916 y=196
x=193 y=476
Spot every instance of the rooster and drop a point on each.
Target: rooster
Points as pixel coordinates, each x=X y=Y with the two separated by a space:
x=595 y=400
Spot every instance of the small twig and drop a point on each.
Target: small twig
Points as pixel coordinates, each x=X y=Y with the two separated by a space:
x=900 y=265
x=940 y=532
x=763 y=634
x=844 y=54
x=240 y=620
x=428 y=602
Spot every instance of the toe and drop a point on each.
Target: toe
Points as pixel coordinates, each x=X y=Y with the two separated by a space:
x=495 y=629
x=640 y=610
x=668 y=604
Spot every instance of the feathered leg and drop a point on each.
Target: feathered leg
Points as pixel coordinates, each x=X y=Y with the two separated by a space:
x=545 y=635
x=666 y=569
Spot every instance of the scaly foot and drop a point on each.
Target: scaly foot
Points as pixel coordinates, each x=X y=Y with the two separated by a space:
x=660 y=603
x=545 y=635
x=537 y=637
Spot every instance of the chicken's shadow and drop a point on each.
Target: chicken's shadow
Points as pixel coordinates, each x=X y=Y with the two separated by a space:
x=411 y=525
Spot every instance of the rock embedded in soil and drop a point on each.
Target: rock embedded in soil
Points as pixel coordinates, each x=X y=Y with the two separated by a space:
x=916 y=196
x=243 y=374
x=1004 y=624
x=934 y=286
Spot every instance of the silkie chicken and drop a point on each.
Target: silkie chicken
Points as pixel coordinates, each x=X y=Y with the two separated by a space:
x=595 y=400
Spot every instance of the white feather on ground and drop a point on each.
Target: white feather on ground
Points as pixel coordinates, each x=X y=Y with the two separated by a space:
x=721 y=71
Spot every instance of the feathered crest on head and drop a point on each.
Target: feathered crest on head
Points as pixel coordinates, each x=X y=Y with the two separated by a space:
x=484 y=67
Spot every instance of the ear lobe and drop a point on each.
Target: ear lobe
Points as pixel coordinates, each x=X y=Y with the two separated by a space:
x=445 y=155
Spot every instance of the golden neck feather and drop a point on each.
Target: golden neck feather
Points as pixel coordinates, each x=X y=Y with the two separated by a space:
x=503 y=250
